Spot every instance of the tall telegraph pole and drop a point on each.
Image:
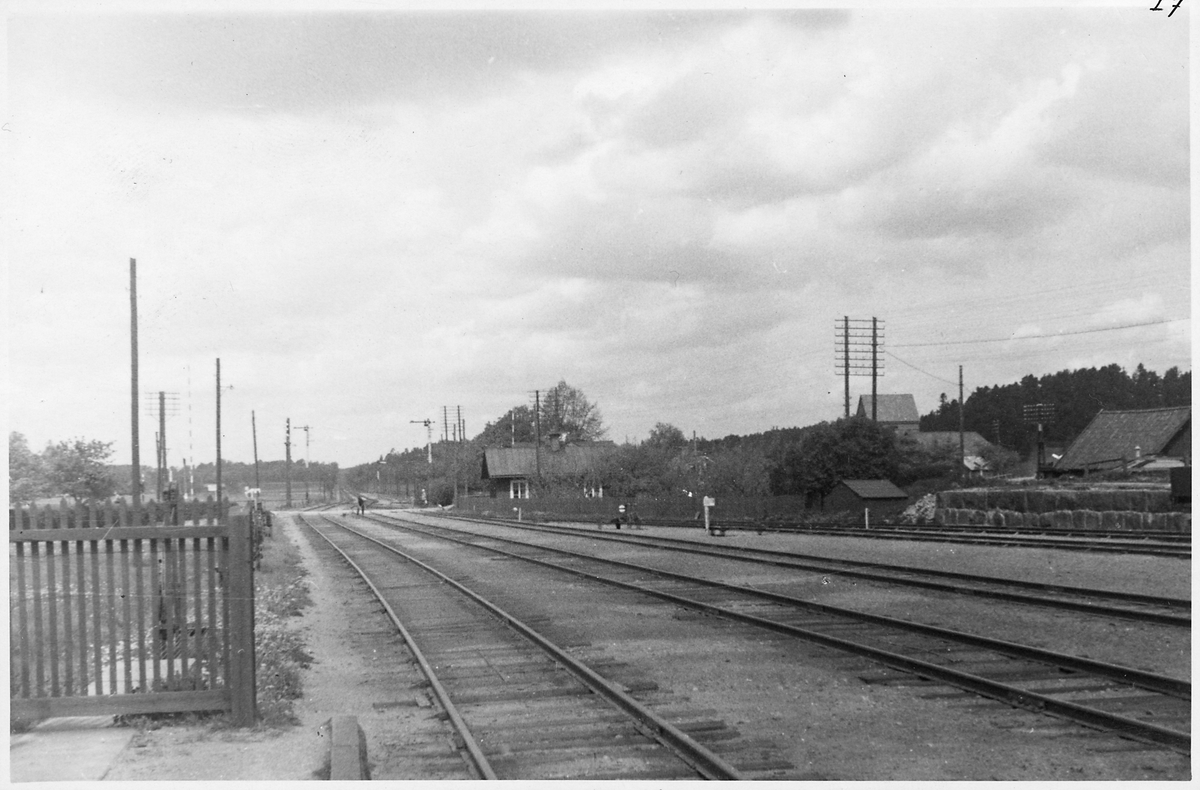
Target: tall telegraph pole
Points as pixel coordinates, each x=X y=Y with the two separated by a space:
x=254 y=433
x=219 y=493
x=133 y=352
x=287 y=444
x=306 y=429
x=857 y=343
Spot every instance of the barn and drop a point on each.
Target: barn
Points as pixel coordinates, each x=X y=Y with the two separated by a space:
x=1130 y=438
x=891 y=411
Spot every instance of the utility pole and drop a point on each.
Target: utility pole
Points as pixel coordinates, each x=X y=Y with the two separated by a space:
x=287 y=446
x=220 y=513
x=857 y=353
x=254 y=433
x=162 y=440
x=445 y=425
x=1039 y=414
x=874 y=370
x=136 y=490
x=962 y=445
x=537 y=424
x=306 y=429
x=846 y=359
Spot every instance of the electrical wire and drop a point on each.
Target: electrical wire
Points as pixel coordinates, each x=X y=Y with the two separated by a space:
x=1036 y=337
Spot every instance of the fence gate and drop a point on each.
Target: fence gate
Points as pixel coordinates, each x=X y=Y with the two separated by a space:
x=110 y=613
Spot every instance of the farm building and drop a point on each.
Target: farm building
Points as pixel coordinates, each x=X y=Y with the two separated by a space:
x=1136 y=438
x=880 y=497
x=893 y=411
x=513 y=471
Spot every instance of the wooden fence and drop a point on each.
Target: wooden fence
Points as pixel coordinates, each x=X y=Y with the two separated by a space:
x=109 y=614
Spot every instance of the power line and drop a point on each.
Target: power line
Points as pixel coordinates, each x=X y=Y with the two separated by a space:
x=1035 y=337
x=914 y=367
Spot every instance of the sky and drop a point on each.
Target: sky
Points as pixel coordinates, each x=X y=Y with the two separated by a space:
x=371 y=212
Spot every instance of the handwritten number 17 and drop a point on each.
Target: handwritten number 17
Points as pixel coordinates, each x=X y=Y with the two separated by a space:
x=1158 y=7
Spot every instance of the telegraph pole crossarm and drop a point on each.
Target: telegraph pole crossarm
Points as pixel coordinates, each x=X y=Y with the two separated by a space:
x=1038 y=414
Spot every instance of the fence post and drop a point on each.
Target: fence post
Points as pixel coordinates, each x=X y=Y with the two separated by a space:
x=241 y=623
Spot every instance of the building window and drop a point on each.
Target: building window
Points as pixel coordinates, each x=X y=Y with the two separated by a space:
x=518 y=489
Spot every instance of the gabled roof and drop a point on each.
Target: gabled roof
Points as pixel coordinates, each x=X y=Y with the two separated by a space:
x=875 y=489
x=891 y=408
x=1111 y=436
x=522 y=461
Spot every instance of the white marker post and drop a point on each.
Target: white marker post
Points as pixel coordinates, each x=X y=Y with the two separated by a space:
x=708 y=502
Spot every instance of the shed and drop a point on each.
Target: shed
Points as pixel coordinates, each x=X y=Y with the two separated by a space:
x=880 y=497
x=893 y=411
x=1132 y=437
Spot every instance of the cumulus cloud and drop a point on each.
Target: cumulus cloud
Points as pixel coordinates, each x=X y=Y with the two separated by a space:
x=665 y=209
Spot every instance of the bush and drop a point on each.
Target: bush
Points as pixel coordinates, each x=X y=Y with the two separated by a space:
x=443 y=494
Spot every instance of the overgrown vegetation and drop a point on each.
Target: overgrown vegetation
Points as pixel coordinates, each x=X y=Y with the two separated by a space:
x=280 y=594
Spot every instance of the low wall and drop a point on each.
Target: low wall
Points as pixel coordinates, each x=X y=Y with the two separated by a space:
x=1117 y=509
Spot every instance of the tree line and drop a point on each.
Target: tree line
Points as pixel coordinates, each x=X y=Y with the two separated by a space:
x=79 y=469
x=1076 y=396
x=806 y=460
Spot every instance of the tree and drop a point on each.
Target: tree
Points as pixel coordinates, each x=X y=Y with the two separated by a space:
x=667 y=437
x=567 y=410
x=514 y=427
x=857 y=448
x=26 y=472
x=77 y=469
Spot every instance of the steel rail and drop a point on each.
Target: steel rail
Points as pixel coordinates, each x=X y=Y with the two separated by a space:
x=891 y=532
x=983 y=539
x=478 y=762
x=706 y=762
x=1033 y=701
x=797 y=561
x=1147 y=680
x=830 y=528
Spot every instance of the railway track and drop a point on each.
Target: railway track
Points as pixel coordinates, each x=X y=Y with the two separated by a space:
x=1161 y=544
x=1158 y=545
x=1143 y=706
x=502 y=684
x=1161 y=610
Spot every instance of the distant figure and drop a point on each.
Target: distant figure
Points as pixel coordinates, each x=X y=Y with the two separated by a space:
x=362 y=506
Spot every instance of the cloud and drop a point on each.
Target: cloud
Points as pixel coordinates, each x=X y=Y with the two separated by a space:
x=367 y=216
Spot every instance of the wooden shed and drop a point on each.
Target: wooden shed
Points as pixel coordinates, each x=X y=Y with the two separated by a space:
x=880 y=497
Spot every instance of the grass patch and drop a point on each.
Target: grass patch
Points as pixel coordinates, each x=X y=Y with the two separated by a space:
x=280 y=593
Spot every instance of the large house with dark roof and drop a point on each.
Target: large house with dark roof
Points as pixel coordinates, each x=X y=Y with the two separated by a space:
x=513 y=471
x=1135 y=438
x=892 y=411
